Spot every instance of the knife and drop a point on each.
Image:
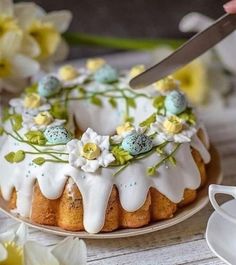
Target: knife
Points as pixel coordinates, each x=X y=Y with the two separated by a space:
x=193 y=48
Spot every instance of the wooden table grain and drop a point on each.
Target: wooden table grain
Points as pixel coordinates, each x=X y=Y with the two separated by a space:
x=183 y=243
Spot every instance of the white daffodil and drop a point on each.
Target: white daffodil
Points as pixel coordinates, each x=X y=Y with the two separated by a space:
x=90 y=152
x=71 y=251
x=19 y=107
x=162 y=135
x=194 y=22
x=13 y=64
x=42 y=31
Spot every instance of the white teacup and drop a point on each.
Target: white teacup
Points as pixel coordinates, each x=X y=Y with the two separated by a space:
x=220 y=189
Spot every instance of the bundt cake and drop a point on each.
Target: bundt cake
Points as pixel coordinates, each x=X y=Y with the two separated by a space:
x=82 y=151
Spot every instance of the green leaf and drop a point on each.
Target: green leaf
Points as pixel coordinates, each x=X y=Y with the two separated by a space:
x=159 y=102
x=121 y=155
x=151 y=171
x=5 y=114
x=36 y=137
x=172 y=160
x=96 y=101
x=188 y=116
x=10 y=157
x=1 y=131
x=159 y=150
x=129 y=119
x=19 y=156
x=112 y=102
x=32 y=89
x=17 y=122
x=59 y=111
x=131 y=102
x=151 y=119
x=81 y=90
x=39 y=161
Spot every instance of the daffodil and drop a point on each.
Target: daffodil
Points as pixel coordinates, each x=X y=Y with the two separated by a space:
x=13 y=64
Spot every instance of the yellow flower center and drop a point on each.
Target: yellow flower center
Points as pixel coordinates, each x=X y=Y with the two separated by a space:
x=47 y=37
x=91 y=151
x=173 y=125
x=166 y=84
x=32 y=101
x=124 y=128
x=15 y=254
x=136 y=70
x=94 y=64
x=43 y=118
x=5 y=68
x=7 y=24
x=68 y=72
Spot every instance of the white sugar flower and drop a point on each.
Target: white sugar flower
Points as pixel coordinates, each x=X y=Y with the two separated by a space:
x=40 y=122
x=183 y=134
x=91 y=152
x=20 y=107
x=13 y=64
x=194 y=22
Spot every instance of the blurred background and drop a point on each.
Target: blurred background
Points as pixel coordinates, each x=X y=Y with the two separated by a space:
x=131 y=19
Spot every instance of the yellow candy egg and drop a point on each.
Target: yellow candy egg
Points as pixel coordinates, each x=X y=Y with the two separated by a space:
x=124 y=128
x=94 y=64
x=32 y=101
x=166 y=84
x=173 y=125
x=68 y=72
x=91 y=151
x=43 y=118
x=136 y=70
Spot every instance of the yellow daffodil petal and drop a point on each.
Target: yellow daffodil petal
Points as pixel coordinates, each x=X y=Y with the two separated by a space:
x=173 y=124
x=7 y=24
x=91 y=151
x=14 y=254
x=32 y=101
x=94 y=64
x=136 y=70
x=166 y=84
x=47 y=36
x=193 y=81
x=5 y=68
x=124 y=128
x=68 y=72
x=43 y=118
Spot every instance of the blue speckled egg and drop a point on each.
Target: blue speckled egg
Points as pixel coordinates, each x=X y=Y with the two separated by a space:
x=49 y=86
x=175 y=102
x=137 y=144
x=106 y=75
x=57 y=135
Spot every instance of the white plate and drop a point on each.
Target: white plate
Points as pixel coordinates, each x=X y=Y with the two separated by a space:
x=221 y=234
x=214 y=177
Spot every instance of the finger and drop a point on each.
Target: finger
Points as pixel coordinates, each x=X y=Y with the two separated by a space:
x=230 y=7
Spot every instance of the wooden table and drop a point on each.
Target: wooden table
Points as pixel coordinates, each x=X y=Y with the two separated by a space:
x=184 y=243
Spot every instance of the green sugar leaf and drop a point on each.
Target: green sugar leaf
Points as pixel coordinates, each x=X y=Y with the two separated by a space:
x=112 y=102
x=188 y=116
x=36 y=137
x=5 y=114
x=131 y=102
x=151 y=171
x=96 y=101
x=129 y=119
x=81 y=90
x=32 y=89
x=59 y=111
x=17 y=122
x=10 y=157
x=172 y=160
x=121 y=155
x=159 y=102
x=1 y=131
x=39 y=161
x=19 y=156
x=151 y=119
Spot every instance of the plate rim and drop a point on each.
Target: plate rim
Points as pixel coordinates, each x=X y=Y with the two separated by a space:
x=183 y=214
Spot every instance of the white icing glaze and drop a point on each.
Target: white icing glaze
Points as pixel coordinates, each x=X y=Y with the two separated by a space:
x=132 y=183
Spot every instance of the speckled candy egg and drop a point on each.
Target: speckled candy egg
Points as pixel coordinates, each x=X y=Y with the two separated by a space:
x=106 y=75
x=175 y=102
x=57 y=135
x=49 y=86
x=137 y=144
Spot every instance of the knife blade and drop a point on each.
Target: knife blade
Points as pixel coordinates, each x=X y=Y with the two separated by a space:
x=190 y=50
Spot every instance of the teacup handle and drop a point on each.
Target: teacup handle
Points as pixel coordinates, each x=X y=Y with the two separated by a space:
x=220 y=189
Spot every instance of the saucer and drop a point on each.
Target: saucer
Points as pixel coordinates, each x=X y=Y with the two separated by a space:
x=221 y=234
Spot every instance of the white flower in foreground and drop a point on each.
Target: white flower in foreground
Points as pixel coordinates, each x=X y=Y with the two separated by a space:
x=40 y=122
x=13 y=64
x=91 y=152
x=194 y=22
x=162 y=135
x=19 y=107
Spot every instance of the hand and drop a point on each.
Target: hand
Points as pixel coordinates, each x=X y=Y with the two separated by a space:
x=230 y=7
